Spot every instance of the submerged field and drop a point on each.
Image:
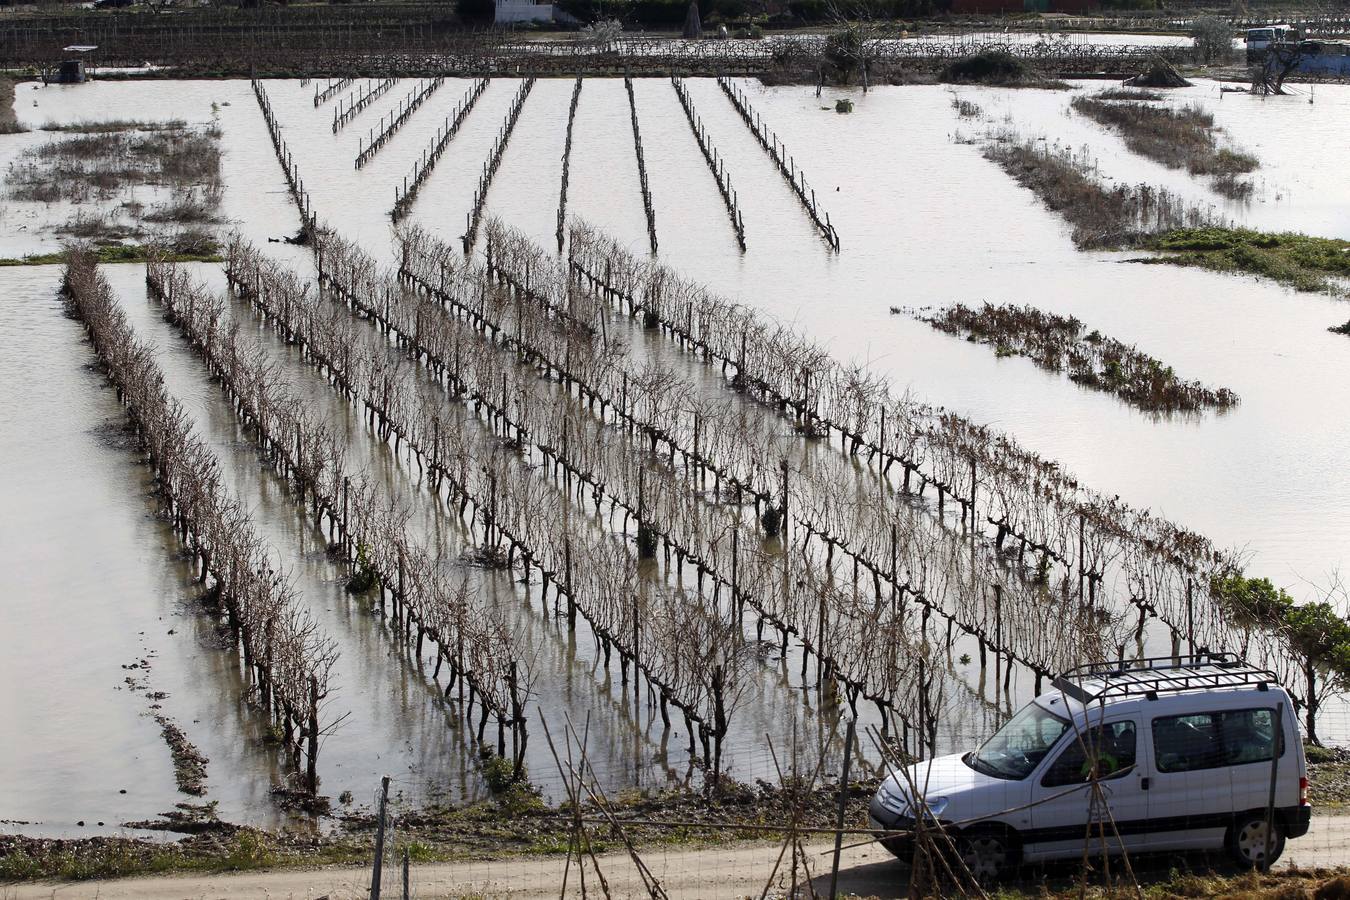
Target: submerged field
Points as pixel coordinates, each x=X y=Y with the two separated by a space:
x=107 y=620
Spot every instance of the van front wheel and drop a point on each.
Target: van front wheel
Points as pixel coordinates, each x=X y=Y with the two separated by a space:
x=1251 y=843
x=986 y=854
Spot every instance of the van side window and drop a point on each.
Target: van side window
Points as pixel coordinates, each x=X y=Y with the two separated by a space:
x=1210 y=740
x=1249 y=735
x=1112 y=746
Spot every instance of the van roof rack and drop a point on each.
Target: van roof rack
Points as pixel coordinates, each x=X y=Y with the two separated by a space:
x=1160 y=674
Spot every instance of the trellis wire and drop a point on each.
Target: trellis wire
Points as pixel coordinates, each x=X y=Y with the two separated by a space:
x=641 y=164
x=345 y=112
x=567 y=162
x=475 y=214
x=787 y=165
x=405 y=194
x=714 y=160
x=397 y=118
x=288 y=165
x=330 y=91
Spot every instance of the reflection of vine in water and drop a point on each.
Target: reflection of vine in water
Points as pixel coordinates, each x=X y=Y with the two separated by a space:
x=284 y=649
x=651 y=393
x=1097 y=551
x=368 y=528
x=592 y=572
x=603 y=475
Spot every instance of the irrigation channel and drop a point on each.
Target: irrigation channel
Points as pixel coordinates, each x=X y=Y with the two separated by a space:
x=592 y=482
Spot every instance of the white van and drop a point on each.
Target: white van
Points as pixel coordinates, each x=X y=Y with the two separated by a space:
x=1143 y=756
x=1260 y=40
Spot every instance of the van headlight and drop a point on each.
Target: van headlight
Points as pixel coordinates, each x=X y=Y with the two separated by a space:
x=936 y=806
x=896 y=802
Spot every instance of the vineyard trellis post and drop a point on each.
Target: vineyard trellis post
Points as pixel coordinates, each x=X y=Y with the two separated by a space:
x=375 y=872
x=842 y=809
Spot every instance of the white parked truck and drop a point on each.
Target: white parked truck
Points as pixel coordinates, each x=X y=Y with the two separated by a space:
x=1260 y=40
x=1197 y=753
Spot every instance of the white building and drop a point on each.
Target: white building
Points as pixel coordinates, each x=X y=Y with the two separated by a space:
x=511 y=11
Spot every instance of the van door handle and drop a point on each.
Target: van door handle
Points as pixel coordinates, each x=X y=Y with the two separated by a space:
x=1143 y=783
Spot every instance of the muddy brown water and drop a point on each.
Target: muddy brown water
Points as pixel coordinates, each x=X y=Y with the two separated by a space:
x=94 y=583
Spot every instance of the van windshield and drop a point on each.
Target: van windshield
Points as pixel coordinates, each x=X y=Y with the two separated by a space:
x=1019 y=745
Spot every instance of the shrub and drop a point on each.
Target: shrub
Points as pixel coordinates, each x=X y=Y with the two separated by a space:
x=498 y=772
x=846 y=52
x=988 y=67
x=364 y=576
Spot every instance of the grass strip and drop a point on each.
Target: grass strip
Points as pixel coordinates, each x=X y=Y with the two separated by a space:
x=115 y=253
x=1297 y=260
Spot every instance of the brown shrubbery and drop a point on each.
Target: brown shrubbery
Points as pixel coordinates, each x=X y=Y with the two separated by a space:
x=1059 y=343
x=9 y=123
x=1177 y=137
x=101 y=164
x=1102 y=217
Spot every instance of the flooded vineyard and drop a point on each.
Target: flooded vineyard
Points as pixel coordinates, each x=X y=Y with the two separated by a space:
x=515 y=405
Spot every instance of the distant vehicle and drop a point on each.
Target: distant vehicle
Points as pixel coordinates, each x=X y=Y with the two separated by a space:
x=1260 y=40
x=1184 y=754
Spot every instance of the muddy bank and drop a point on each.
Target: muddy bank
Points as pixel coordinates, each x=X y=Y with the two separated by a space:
x=516 y=823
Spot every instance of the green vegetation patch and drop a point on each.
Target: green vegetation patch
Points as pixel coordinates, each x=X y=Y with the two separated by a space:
x=122 y=253
x=1317 y=634
x=1175 y=884
x=230 y=850
x=514 y=823
x=1300 y=261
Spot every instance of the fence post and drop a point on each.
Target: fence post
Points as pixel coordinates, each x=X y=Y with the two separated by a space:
x=379 y=841
x=843 y=805
x=312 y=769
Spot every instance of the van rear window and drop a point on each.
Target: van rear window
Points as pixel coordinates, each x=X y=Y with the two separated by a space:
x=1210 y=740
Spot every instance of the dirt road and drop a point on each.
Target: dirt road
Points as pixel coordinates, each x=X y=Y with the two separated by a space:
x=725 y=873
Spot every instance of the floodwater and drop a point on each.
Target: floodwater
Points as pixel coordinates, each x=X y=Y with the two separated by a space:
x=94 y=583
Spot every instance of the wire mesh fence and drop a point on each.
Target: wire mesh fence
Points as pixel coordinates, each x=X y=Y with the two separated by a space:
x=1092 y=825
